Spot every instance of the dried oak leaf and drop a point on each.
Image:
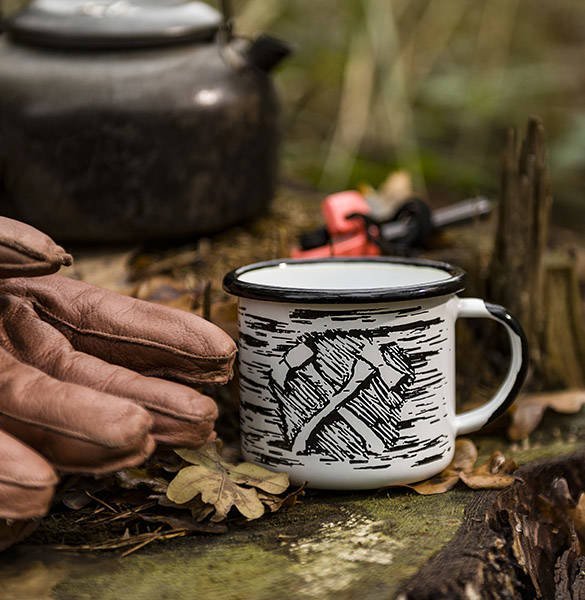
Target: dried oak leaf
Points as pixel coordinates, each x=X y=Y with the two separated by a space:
x=529 y=409
x=275 y=503
x=463 y=461
x=223 y=485
x=492 y=475
x=199 y=510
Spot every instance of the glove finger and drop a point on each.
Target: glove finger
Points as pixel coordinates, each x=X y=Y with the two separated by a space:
x=27 y=481
x=149 y=338
x=74 y=427
x=182 y=416
x=26 y=251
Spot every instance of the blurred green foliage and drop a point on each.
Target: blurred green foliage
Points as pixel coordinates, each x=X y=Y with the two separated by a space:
x=428 y=85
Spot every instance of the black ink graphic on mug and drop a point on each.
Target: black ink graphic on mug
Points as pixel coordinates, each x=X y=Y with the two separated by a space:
x=340 y=393
x=367 y=395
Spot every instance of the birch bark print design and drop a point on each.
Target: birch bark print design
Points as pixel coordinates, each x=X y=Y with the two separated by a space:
x=363 y=386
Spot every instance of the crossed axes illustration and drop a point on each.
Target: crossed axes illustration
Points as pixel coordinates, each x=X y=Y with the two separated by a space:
x=370 y=363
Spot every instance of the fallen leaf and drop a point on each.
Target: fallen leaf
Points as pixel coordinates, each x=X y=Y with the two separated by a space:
x=182 y=523
x=244 y=473
x=223 y=485
x=529 y=410
x=275 y=503
x=258 y=477
x=199 y=510
x=465 y=456
x=202 y=512
x=76 y=499
x=76 y=491
x=492 y=475
x=463 y=461
x=217 y=489
x=439 y=484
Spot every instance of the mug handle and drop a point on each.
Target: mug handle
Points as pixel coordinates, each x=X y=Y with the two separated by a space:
x=475 y=419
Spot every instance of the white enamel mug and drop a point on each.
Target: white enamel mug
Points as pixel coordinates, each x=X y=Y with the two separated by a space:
x=347 y=368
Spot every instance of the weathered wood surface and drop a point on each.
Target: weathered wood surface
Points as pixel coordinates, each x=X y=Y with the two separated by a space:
x=330 y=546
x=522 y=542
x=516 y=277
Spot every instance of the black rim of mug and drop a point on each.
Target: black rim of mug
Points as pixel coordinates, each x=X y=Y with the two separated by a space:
x=452 y=285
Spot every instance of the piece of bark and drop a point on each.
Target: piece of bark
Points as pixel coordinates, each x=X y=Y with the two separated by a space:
x=540 y=290
x=517 y=269
x=563 y=336
x=521 y=542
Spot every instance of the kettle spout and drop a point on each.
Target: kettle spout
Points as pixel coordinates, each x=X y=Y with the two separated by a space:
x=265 y=52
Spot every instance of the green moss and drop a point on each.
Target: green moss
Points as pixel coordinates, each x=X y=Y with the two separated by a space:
x=230 y=572
x=330 y=546
x=406 y=527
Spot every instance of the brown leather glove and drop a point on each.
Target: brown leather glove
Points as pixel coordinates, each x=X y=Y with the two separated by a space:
x=88 y=377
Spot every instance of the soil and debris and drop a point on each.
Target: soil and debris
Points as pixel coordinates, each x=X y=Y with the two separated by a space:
x=175 y=494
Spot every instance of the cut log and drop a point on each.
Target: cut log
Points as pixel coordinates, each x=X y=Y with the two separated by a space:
x=522 y=542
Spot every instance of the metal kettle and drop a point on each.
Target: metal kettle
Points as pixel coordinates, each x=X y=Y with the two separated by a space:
x=135 y=120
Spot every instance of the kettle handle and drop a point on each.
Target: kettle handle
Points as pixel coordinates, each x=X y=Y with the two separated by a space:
x=228 y=24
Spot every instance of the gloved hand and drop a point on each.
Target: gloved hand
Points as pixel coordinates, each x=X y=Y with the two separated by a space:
x=88 y=378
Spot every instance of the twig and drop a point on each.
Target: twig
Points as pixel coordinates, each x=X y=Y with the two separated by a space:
x=168 y=536
x=124 y=515
x=118 y=543
x=102 y=502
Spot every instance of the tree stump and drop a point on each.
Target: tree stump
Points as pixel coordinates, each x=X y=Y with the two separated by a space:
x=542 y=291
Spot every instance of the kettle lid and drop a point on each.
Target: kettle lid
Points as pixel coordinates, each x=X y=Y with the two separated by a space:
x=113 y=23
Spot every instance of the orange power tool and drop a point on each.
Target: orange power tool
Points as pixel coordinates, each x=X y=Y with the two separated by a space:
x=351 y=229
